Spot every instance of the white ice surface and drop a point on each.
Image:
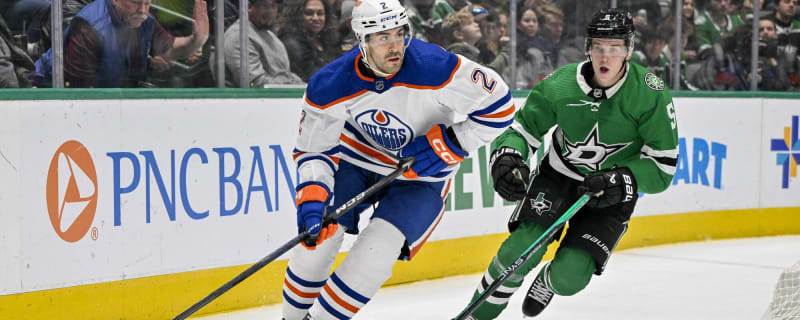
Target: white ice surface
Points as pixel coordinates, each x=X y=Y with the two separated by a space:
x=723 y=279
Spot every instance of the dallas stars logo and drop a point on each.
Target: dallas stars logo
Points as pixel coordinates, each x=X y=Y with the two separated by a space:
x=540 y=204
x=591 y=153
x=654 y=82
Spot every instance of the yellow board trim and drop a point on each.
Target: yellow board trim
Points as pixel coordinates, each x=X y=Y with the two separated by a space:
x=165 y=296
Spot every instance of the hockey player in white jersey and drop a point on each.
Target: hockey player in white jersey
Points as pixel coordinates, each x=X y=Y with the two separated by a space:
x=393 y=97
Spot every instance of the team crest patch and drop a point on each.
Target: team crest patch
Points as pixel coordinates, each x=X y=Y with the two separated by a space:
x=540 y=204
x=654 y=82
x=385 y=128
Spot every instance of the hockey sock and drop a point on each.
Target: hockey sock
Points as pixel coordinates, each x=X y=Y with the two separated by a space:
x=367 y=266
x=571 y=271
x=511 y=249
x=306 y=274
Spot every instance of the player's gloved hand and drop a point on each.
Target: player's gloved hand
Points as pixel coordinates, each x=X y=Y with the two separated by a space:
x=609 y=187
x=509 y=173
x=432 y=153
x=311 y=201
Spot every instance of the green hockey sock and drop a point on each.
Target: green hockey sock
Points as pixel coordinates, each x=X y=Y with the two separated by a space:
x=571 y=271
x=511 y=249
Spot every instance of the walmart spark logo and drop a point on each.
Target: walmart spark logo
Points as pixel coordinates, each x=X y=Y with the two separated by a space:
x=788 y=152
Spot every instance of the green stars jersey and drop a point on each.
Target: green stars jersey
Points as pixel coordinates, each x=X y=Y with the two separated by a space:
x=709 y=33
x=630 y=124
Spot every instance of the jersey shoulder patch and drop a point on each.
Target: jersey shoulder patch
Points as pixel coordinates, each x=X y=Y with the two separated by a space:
x=653 y=81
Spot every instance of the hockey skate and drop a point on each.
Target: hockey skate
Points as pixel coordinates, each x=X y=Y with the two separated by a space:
x=539 y=295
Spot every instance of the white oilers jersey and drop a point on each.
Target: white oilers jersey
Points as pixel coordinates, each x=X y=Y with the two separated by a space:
x=367 y=121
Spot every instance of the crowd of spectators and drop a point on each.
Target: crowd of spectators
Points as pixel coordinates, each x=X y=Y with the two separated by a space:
x=170 y=43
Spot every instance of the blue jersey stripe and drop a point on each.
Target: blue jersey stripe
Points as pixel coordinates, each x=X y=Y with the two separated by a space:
x=330 y=152
x=494 y=106
x=296 y=304
x=323 y=158
x=331 y=310
x=350 y=292
x=358 y=157
x=308 y=284
x=493 y=124
x=350 y=128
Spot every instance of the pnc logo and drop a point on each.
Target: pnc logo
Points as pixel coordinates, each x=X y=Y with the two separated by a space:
x=71 y=191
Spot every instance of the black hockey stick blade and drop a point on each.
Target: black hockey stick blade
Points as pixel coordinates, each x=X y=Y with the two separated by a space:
x=403 y=166
x=535 y=246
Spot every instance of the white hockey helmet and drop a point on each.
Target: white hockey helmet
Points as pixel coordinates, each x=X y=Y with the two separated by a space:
x=371 y=16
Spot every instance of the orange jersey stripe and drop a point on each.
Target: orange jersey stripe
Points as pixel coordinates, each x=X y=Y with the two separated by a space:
x=339 y=301
x=298 y=292
x=335 y=101
x=367 y=150
x=334 y=159
x=419 y=246
x=500 y=114
x=416 y=249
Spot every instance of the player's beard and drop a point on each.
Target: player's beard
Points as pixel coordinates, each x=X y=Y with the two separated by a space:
x=383 y=66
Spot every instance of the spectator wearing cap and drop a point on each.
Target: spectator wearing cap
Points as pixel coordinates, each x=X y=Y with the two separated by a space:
x=267 y=59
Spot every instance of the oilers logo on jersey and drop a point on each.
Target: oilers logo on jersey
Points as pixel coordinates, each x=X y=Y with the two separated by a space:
x=385 y=128
x=347 y=116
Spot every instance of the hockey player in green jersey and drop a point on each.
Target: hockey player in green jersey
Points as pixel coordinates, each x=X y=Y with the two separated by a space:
x=603 y=126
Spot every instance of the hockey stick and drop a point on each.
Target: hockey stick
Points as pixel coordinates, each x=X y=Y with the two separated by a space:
x=403 y=166
x=535 y=246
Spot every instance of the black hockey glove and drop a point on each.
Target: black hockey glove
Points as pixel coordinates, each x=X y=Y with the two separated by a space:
x=609 y=187
x=509 y=173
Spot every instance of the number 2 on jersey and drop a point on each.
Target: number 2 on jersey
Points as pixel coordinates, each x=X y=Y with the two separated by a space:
x=487 y=83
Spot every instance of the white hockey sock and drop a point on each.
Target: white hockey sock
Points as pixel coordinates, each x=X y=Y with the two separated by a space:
x=367 y=266
x=306 y=274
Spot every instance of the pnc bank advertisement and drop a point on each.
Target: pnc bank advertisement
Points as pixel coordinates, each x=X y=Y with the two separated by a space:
x=120 y=189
